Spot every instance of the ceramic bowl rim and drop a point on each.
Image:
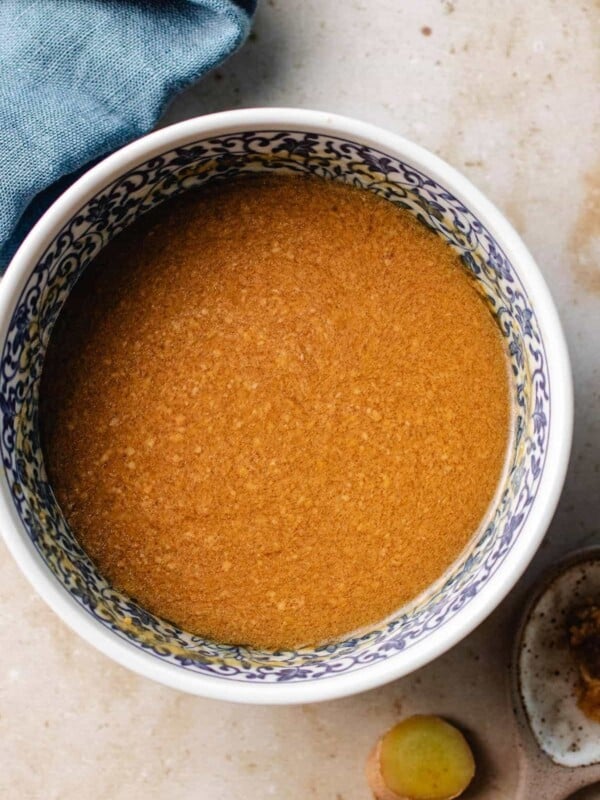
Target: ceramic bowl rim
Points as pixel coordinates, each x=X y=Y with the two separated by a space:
x=559 y=442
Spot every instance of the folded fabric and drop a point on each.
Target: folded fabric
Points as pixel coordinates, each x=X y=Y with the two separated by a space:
x=79 y=78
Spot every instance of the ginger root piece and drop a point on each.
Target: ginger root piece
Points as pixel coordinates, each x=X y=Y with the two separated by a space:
x=584 y=642
x=421 y=758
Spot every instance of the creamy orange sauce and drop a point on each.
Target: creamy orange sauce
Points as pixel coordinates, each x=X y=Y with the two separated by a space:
x=275 y=410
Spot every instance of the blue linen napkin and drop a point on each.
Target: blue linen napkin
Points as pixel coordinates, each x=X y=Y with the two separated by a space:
x=79 y=78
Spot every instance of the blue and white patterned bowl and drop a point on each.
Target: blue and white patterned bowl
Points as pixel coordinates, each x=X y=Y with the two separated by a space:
x=214 y=148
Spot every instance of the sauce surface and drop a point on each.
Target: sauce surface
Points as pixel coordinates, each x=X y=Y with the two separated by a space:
x=275 y=410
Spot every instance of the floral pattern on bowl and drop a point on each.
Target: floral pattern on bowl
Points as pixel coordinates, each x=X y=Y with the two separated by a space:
x=215 y=159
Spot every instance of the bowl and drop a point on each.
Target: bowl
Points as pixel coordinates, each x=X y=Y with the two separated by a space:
x=107 y=199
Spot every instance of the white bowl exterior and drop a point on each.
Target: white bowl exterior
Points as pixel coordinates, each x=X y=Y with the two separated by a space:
x=559 y=441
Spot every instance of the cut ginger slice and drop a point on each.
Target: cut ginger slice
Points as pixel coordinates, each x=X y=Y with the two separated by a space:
x=421 y=758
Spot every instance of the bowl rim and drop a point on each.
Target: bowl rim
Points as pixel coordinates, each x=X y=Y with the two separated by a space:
x=559 y=442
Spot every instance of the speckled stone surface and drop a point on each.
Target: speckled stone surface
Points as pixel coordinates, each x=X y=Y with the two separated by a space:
x=508 y=92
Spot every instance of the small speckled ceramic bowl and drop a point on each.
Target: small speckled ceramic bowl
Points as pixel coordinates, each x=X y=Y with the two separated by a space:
x=214 y=148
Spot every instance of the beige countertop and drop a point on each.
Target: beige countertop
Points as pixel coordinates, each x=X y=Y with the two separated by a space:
x=508 y=92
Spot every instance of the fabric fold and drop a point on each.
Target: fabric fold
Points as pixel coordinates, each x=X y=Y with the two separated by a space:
x=80 y=79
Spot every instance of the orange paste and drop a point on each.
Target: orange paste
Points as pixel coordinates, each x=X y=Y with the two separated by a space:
x=275 y=410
